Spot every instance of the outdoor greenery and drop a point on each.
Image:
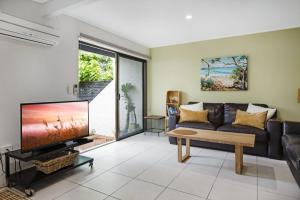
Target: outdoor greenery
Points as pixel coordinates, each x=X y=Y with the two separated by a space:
x=94 y=67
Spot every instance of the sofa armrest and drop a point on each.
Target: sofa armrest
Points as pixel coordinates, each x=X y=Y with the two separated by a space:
x=274 y=128
x=291 y=128
x=173 y=119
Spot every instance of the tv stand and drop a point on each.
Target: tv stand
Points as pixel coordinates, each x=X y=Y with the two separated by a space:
x=24 y=179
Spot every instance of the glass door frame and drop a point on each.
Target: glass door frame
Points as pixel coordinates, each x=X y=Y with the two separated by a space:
x=118 y=95
x=116 y=71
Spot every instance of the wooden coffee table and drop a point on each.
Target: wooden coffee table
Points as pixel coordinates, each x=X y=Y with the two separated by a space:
x=239 y=140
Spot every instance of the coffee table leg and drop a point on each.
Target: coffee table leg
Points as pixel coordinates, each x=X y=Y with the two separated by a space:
x=238 y=159
x=179 y=146
x=187 y=146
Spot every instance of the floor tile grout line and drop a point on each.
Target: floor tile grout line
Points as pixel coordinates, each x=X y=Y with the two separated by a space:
x=82 y=185
x=162 y=147
x=207 y=197
x=166 y=187
x=180 y=172
x=100 y=191
x=65 y=192
x=135 y=178
x=150 y=166
x=116 y=165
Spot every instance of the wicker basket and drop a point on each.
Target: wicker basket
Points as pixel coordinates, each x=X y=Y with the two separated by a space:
x=56 y=162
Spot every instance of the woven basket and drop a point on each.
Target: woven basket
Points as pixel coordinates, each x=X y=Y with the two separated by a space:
x=54 y=163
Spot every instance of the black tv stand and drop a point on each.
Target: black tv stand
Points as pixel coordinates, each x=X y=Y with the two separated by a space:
x=24 y=179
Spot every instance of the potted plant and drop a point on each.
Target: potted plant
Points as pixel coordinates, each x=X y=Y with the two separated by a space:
x=131 y=122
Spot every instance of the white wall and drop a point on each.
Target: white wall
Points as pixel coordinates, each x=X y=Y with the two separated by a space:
x=32 y=73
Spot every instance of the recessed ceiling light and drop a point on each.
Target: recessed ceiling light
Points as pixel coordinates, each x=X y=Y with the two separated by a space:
x=188 y=17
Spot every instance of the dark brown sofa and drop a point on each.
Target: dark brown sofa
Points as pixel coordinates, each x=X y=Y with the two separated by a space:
x=221 y=116
x=291 y=147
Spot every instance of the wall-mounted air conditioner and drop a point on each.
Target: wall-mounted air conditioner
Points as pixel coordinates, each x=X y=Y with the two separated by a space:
x=28 y=31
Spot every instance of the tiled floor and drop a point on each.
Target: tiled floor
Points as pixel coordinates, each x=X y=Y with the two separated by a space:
x=145 y=167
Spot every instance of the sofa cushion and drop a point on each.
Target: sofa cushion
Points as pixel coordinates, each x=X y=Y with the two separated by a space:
x=231 y=108
x=260 y=135
x=193 y=106
x=256 y=120
x=199 y=125
x=291 y=128
x=293 y=151
x=258 y=109
x=193 y=116
x=288 y=140
x=215 y=112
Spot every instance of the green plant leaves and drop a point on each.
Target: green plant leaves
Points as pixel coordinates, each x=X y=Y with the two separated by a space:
x=94 y=67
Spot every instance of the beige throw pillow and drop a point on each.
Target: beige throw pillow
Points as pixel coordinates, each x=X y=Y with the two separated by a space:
x=251 y=119
x=193 y=116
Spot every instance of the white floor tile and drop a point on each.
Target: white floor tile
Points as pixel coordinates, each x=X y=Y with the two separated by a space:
x=247 y=158
x=262 y=195
x=247 y=178
x=225 y=190
x=206 y=161
x=52 y=189
x=83 y=174
x=131 y=168
x=271 y=162
x=277 y=179
x=111 y=198
x=204 y=170
x=107 y=183
x=170 y=194
x=107 y=162
x=152 y=161
x=160 y=174
x=213 y=153
x=193 y=183
x=137 y=190
x=172 y=161
x=80 y=193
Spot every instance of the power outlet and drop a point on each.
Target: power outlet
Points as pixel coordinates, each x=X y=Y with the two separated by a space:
x=4 y=148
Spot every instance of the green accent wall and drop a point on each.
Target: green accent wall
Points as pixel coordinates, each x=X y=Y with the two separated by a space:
x=273 y=71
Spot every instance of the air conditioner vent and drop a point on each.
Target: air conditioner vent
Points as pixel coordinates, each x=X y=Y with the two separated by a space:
x=21 y=29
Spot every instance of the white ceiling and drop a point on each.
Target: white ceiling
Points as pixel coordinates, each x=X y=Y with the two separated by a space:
x=41 y=1
x=154 y=23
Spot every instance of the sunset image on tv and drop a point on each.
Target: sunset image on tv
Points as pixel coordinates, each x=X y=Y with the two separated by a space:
x=45 y=124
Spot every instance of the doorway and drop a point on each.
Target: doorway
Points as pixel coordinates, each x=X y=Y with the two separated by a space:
x=114 y=85
x=131 y=95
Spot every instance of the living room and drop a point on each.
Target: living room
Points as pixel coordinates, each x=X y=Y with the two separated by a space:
x=231 y=71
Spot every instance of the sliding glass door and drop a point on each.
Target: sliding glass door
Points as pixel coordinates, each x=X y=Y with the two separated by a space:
x=130 y=96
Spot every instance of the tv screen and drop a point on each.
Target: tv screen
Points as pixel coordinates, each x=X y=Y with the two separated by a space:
x=46 y=124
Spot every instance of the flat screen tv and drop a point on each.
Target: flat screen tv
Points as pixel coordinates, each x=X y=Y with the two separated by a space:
x=48 y=124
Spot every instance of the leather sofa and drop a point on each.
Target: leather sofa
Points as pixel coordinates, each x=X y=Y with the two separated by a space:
x=221 y=116
x=291 y=147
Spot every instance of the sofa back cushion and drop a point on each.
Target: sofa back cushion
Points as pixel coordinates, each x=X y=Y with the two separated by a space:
x=231 y=108
x=215 y=112
x=291 y=128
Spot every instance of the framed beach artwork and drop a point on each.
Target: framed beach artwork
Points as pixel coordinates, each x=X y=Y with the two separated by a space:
x=224 y=74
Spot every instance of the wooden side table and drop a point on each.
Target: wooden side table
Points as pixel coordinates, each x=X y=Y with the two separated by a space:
x=153 y=118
